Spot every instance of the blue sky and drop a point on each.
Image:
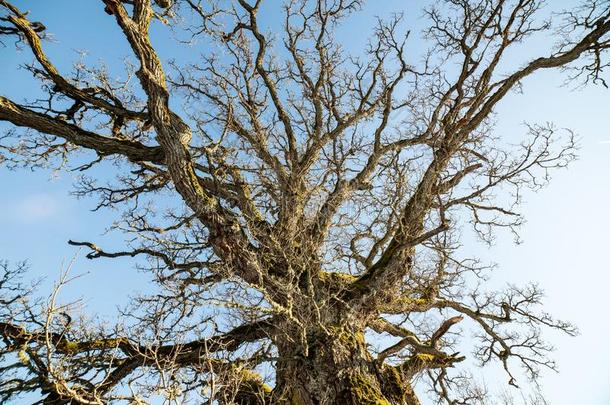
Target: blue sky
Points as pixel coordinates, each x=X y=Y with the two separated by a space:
x=565 y=239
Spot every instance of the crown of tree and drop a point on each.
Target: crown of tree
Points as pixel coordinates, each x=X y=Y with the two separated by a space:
x=297 y=205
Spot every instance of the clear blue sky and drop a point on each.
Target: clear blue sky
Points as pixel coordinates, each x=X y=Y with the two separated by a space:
x=565 y=239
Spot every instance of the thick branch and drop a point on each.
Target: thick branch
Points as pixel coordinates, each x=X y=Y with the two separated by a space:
x=23 y=117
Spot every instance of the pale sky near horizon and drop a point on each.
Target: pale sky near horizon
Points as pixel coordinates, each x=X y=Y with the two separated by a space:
x=566 y=243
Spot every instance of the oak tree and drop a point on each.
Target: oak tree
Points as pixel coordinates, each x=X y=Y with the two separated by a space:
x=297 y=204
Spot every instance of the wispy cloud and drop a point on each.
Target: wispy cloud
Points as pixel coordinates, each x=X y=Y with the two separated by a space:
x=36 y=207
x=604 y=142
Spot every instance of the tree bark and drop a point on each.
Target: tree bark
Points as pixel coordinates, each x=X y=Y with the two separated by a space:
x=336 y=368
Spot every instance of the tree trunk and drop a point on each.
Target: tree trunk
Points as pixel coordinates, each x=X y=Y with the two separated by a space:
x=336 y=368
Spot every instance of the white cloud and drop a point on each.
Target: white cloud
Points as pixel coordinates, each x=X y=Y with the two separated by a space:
x=36 y=207
x=604 y=142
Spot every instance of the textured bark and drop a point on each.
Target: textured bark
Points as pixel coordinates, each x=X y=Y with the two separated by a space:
x=337 y=368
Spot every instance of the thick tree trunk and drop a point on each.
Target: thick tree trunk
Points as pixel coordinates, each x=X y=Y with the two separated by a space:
x=336 y=368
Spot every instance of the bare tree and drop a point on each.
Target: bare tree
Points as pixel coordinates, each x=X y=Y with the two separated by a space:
x=302 y=203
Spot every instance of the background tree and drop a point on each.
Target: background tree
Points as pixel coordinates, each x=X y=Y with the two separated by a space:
x=313 y=202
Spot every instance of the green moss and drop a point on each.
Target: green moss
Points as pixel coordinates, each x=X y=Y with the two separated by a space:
x=347 y=338
x=425 y=357
x=393 y=375
x=409 y=302
x=23 y=357
x=70 y=347
x=362 y=391
x=255 y=378
x=392 y=384
x=420 y=301
x=336 y=278
x=252 y=389
x=352 y=338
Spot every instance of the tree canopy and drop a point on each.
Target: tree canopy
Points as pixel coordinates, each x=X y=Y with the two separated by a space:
x=293 y=201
